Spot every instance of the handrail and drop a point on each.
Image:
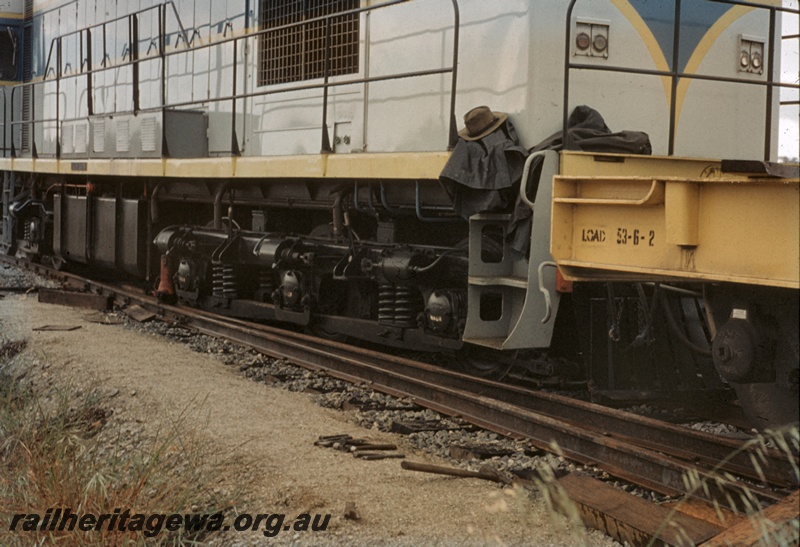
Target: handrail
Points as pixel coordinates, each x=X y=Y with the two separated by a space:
x=6 y=125
x=794 y=102
x=3 y=148
x=130 y=51
x=134 y=60
x=523 y=187
x=654 y=196
x=104 y=24
x=676 y=75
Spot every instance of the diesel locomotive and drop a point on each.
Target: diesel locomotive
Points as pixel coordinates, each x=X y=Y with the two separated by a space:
x=552 y=191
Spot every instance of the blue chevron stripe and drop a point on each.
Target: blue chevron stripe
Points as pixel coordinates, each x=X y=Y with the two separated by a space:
x=697 y=17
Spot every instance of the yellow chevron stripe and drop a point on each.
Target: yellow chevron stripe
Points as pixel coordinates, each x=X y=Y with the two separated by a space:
x=649 y=40
x=702 y=50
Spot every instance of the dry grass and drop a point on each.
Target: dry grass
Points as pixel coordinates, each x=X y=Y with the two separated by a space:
x=787 y=441
x=559 y=505
x=52 y=458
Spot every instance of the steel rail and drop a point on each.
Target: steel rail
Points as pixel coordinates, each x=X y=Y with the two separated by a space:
x=474 y=400
x=680 y=442
x=513 y=411
x=700 y=447
x=617 y=457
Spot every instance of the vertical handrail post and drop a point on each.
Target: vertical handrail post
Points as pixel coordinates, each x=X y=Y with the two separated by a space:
x=89 y=75
x=105 y=46
x=326 y=143
x=567 y=67
x=770 y=84
x=162 y=43
x=11 y=108
x=453 y=139
x=673 y=107
x=34 y=152
x=6 y=123
x=59 y=60
x=162 y=23
x=133 y=33
x=235 y=150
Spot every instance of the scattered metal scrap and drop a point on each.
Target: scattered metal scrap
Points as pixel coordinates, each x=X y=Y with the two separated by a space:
x=334 y=441
x=56 y=328
x=101 y=318
x=138 y=313
x=360 y=448
x=486 y=472
x=369 y=456
x=478 y=451
x=363 y=447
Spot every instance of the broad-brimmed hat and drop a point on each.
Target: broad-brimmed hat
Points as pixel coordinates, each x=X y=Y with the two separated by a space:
x=480 y=121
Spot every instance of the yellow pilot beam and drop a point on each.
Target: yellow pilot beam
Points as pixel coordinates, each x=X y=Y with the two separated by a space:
x=699 y=226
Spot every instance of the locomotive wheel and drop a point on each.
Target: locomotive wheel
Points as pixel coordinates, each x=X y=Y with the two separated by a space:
x=771 y=405
x=481 y=362
x=482 y=368
x=768 y=405
x=320 y=332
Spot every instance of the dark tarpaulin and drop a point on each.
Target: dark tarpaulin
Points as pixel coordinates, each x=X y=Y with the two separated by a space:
x=485 y=174
x=587 y=131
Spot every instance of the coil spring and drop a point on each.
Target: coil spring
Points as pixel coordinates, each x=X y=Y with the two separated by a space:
x=224 y=282
x=386 y=304
x=404 y=312
x=266 y=281
x=397 y=305
x=266 y=285
x=26 y=235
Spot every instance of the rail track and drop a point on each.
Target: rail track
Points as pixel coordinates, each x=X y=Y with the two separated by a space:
x=647 y=452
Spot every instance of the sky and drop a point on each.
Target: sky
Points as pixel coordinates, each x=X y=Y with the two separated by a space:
x=789 y=138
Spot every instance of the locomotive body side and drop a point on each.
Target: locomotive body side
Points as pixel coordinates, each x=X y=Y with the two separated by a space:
x=511 y=58
x=281 y=161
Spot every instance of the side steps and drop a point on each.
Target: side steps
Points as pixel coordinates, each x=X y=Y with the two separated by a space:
x=512 y=301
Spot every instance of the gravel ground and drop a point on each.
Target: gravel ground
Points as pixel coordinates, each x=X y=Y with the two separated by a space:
x=379 y=412
x=147 y=375
x=15 y=278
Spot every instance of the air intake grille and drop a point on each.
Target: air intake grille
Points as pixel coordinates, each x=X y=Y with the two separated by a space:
x=298 y=52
